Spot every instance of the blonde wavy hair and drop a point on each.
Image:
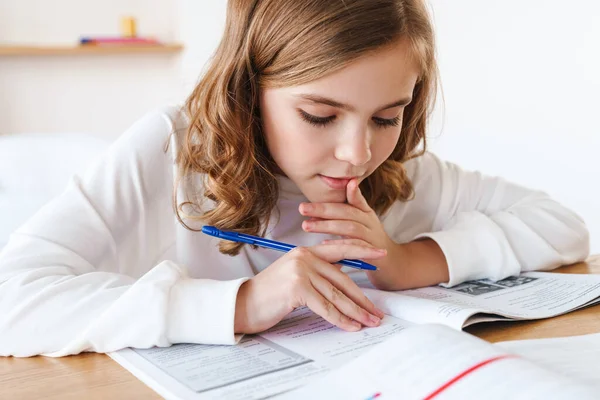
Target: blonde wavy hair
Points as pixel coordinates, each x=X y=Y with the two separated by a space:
x=275 y=43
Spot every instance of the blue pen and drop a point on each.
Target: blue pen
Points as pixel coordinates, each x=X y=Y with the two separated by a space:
x=272 y=244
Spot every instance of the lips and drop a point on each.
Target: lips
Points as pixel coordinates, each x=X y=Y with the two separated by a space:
x=336 y=183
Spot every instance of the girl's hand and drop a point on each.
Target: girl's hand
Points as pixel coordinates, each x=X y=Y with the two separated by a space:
x=407 y=265
x=355 y=221
x=306 y=276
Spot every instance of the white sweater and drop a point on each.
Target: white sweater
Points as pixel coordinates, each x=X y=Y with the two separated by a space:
x=106 y=265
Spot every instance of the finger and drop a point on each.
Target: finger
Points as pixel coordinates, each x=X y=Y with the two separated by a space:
x=356 y=242
x=335 y=253
x=350 y=229
x=350 y=289
x=342 y=302
x=333 y=211
x=323 y=307
x=355 y=197
x=326 y=254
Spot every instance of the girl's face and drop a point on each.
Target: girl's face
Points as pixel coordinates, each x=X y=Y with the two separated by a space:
x=323 y=133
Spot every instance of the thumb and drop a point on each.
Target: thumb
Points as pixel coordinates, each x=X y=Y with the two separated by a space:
x=355 y=197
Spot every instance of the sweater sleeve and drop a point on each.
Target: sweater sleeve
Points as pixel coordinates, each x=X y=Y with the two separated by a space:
x=86 y=273
x=488 y=227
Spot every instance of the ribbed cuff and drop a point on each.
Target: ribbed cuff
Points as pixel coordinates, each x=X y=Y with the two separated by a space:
x=203 y=311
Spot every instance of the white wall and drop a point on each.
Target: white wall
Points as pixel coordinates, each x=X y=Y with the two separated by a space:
x=98 y=94
x=201 y=24
x=520 y=81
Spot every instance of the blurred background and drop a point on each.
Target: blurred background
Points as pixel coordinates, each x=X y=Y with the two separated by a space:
x=520 y=86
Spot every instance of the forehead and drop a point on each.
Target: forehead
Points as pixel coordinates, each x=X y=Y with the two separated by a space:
x=382 y=76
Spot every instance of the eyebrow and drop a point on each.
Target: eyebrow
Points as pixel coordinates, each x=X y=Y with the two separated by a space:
x=333 y=103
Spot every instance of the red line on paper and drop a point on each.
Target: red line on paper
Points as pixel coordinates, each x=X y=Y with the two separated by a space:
x=465 y=373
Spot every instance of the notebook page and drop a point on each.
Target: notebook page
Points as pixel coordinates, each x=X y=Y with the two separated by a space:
x=577 y=357
x=436 y=362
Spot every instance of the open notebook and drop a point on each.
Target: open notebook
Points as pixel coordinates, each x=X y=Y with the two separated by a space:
x=304 y=347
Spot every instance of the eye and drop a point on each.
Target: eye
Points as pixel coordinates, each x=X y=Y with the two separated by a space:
x=314 y=120
x=385 y=122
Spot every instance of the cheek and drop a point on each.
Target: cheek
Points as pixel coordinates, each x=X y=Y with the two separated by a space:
x=383 y=147
x=293 y=144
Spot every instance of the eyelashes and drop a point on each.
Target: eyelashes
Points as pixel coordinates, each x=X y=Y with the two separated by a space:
x=324 y=121
x=385 y=122
x=314 y=120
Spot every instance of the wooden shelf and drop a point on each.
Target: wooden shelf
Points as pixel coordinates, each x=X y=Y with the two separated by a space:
x=89 y=49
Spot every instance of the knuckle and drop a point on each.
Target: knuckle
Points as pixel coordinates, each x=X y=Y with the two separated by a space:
x=352 y=229
x=300 y=252
x=361 y=311
x=344 y=320
x=358 y=309
x=335 y=294
x=296 y=279
x=345 y=252
x=297 y=275
x=328 y=308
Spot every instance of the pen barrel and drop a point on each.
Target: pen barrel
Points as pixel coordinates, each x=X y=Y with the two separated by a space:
x=358 y=264
x=273 y=245
x=267 y=243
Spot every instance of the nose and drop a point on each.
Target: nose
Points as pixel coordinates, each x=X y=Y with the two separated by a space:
x=354 y=148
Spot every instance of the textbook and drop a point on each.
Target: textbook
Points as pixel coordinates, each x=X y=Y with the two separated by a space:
x=531 y=295
x=303 y=347
x=436 y=362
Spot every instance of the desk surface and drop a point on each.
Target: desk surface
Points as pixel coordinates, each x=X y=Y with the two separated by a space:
x=96 y=376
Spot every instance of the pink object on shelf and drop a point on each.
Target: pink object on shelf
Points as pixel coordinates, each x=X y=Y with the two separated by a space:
x=117 y=40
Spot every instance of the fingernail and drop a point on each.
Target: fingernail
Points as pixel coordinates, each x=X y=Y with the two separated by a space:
x=374 y=319
x=356 y=325
x=380 y=313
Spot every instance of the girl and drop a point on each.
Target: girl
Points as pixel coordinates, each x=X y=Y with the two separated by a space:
x=309 y=127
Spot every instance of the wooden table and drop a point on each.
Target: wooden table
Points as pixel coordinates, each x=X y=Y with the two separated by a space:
x=96 y=376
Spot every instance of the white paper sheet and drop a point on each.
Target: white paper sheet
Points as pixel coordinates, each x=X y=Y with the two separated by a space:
x=436 y=362
x=577 y=357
